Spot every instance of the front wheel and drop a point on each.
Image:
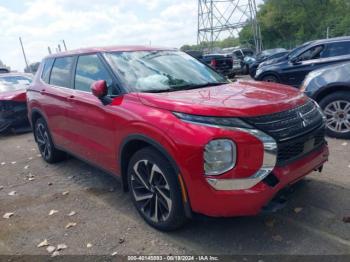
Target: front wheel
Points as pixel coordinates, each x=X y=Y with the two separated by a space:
x=336 y=108
x=155 y=190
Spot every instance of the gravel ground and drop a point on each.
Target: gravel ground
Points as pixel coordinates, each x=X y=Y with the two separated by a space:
x=105 y=221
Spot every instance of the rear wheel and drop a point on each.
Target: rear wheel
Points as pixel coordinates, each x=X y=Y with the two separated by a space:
x=270 y=78
x=336 y=108
x=46 y=147
x=155 y=190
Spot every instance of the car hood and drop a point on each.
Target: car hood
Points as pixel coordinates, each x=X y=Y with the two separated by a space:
x=238 y=99
x=274 y=61
x=17 y=96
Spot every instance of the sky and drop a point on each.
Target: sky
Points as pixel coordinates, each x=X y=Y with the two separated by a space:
x=84 y=23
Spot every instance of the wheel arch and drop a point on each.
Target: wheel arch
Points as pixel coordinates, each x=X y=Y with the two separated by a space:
x=35 y=115
x=267 y=73
x=131 y=145
x=339 y=87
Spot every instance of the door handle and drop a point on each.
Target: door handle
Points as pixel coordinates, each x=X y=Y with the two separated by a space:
x=70 y=97
x=43 y=91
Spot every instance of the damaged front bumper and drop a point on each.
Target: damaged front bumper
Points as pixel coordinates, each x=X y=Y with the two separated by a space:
x=13 y=114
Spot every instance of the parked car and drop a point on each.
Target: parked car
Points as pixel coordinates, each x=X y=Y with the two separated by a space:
x=4 y=70
x=222 y=63
x=196 y=54
x=238 y=56
x=181 y=137
x=330 y=87
x=265 y=55
x=13 y=106
x=292 y=69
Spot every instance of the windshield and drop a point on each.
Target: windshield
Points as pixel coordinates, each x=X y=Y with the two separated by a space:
x=271 y=52
x=161 y=71
x=13 y=83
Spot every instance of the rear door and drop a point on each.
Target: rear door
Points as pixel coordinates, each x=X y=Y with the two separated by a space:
x=55 y=96
x=91 y=126
x=337 y=52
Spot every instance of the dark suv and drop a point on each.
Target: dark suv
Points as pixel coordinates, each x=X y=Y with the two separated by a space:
x=292 y=69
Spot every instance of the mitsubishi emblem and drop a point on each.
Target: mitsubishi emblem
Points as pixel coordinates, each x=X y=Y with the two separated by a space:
x=305 y=121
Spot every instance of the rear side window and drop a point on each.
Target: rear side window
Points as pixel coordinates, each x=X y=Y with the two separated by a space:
x=45 y=76
x=337 y=49
x=60 y=73
x=90 y=69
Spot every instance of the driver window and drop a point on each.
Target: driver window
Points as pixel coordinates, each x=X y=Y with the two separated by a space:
x=90 y=69
x=312 y=53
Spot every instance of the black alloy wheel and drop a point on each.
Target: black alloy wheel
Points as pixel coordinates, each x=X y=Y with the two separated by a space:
x=46 y=147
x=155 y=190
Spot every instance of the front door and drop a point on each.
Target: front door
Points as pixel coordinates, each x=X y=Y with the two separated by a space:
x=92 y=128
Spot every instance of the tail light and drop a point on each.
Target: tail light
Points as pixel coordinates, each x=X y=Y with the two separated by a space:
x=213 y=63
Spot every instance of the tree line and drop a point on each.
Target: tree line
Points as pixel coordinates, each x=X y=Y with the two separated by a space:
x=288 y=23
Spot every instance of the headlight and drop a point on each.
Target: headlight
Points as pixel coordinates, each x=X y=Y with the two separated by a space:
x=311 y=76
x=258 y=72
x=219 y=156
x=320 y=110
x=216 y=121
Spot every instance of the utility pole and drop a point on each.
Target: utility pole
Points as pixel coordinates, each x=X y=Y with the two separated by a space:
x=64 y=44
x=49 y=49
x=327 y=32
x=24 y=55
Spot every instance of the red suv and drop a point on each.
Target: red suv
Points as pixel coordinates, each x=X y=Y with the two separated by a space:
x=182 y=138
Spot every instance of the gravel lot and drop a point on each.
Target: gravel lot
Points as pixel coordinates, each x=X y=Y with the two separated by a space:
x=106 y=222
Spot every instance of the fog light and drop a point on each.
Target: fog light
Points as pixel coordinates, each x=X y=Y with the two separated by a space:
x=219 y=156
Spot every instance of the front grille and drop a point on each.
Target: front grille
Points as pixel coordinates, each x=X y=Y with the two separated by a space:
x=297 y=131
x=293 y=149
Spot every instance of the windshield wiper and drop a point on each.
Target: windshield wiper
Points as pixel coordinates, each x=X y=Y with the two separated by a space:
x=185 y=87
x=194 y=86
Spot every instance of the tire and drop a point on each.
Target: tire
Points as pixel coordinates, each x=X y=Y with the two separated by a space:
x=46 y=147
x=159 y=188
x=231 y=75
x=270 y=78
x=336 y=108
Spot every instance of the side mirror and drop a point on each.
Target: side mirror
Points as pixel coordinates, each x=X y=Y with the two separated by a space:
x=295 y=60
x=99 y=89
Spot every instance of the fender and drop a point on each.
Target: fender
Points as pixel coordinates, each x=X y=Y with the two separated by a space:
x=150 y=141
x=37 y=111
x=333 y=87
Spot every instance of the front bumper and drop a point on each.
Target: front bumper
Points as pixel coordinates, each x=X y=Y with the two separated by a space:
x=222 y=203
x=15 y=115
